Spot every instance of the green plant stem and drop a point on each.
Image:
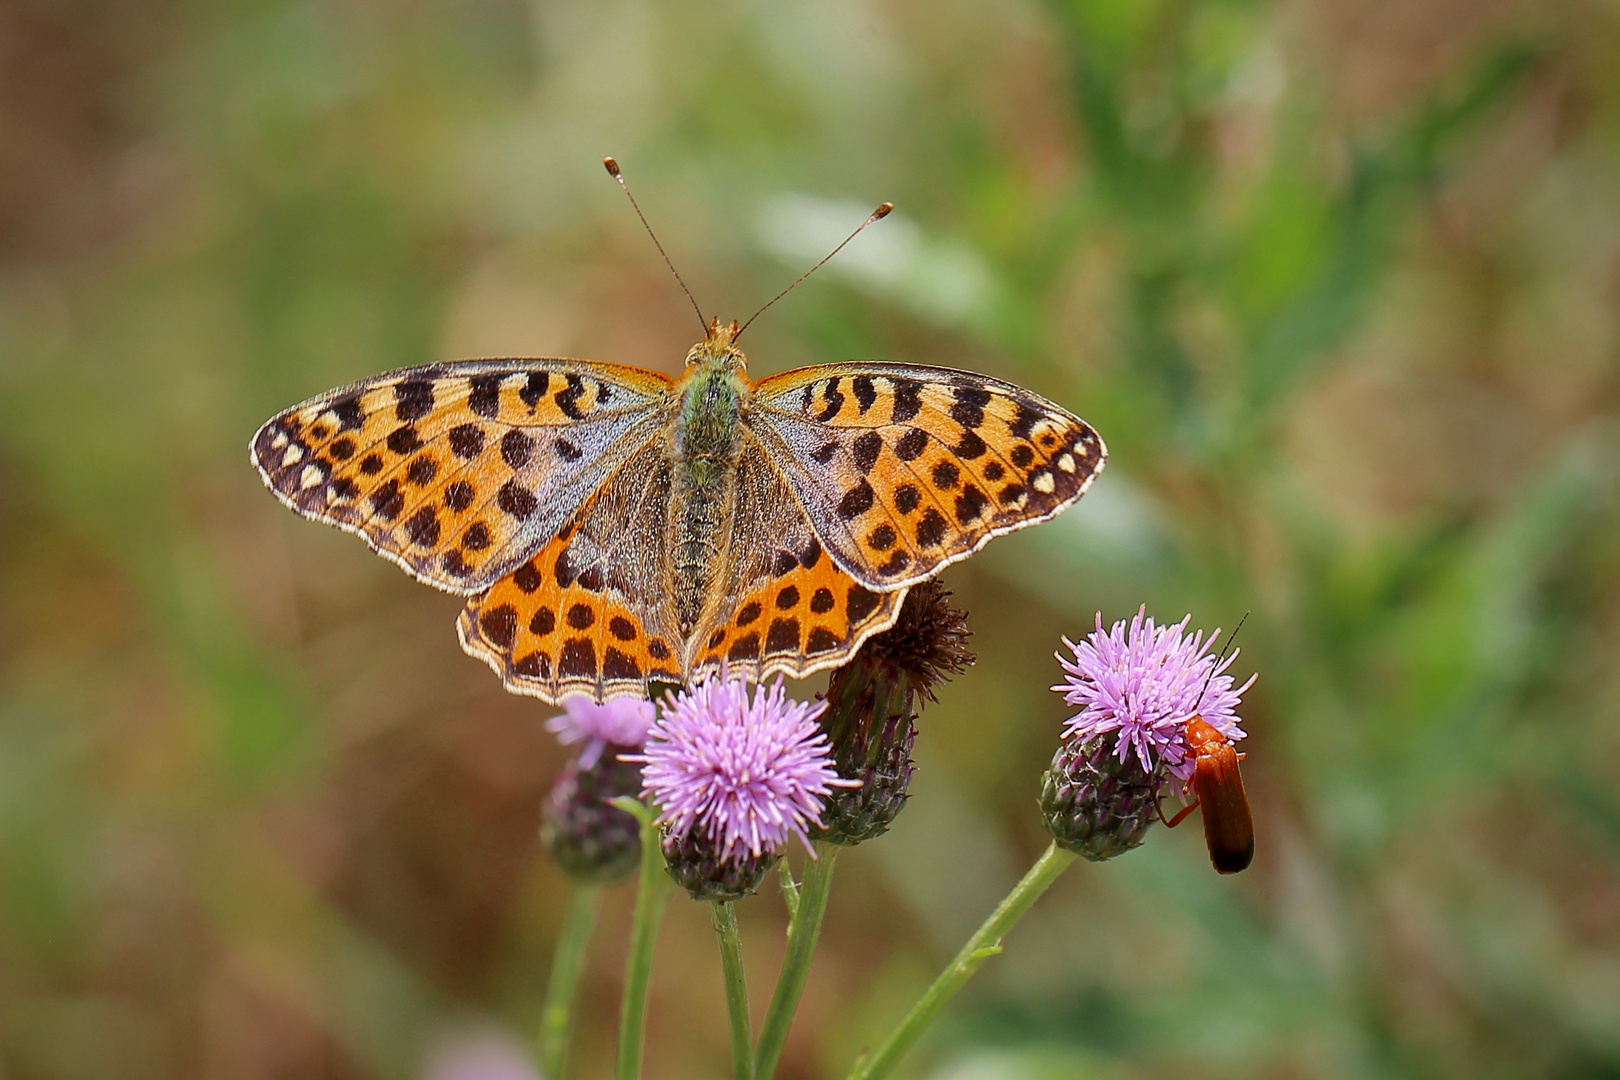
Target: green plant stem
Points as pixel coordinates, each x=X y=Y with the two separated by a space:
x=985 y=943
x=742 y=1040
x=652 y=893
x=556 y=1023
x=803 y=930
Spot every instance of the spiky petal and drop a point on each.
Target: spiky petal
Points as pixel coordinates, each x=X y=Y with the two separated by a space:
x=1139 y=685
x=743 y=774
x=622 y=722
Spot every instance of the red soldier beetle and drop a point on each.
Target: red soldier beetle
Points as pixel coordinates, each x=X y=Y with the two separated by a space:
x=1218 y=782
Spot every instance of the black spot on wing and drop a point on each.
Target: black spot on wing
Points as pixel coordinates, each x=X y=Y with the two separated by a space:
x=865 y=450
x=856 y=501
x=500 y=625
x=484 y=395
x=534 y=388
x=423 y=527
x=783 y=636
x=834 y=399
x=568 y=398
x=865 y=392
x=617 y=665
x=822 y=640
x=458 y=495
x=897 y=562
x=387 y=501
x=1023 y=422
x=413 y=399
x=466 y=440
x=527 y=577
x=860 y=602
x=404 y=440
x=970 y=446
x=578 y=659
x=910 y=446
x=932 y=528
x=907 y=399
x=516 y=448
x=516 y=500
x=422 y=471
x=348 y=412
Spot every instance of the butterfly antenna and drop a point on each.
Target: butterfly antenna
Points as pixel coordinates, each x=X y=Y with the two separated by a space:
x=1229 y=639
x=613 y=171
x=880 y=212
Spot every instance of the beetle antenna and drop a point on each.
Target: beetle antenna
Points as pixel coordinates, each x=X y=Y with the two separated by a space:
x=880 y=212
x=613 y=171
x=1228 y=647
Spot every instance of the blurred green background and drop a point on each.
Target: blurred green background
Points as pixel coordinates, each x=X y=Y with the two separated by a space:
x=1338 y=280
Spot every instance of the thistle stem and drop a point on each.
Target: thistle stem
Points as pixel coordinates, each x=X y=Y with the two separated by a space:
x=652 y=893
x=985 y=943
x=556 y=1022
x=742 y=1042
x=803 y=930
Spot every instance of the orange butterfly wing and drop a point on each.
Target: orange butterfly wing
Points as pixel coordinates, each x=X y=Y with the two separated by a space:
x=786 y=608
x=905 y=469
x=459 y=471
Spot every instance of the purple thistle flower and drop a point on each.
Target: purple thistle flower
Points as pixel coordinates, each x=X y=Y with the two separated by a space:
x=1144 y=683
x=620 y=722
x=745 y=775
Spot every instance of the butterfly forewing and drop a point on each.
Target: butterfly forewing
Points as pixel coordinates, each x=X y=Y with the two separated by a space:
x=459 y=471
x=904 y=469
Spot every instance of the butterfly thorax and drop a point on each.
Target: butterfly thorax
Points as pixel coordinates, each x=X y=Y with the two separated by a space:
x=704 y=447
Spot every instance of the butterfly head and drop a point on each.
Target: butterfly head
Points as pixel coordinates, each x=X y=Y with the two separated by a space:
x=719 y=348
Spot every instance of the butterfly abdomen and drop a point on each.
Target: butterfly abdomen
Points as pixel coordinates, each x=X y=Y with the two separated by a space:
x=704 y=448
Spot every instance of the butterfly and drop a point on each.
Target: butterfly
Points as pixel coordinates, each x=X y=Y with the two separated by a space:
x=612 y=527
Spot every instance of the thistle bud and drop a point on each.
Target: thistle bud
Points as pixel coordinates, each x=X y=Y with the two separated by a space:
x=873 y=702
x=695 y=866
x=1095 y=804
x=590 y=839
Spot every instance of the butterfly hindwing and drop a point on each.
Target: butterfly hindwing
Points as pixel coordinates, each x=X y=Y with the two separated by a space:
x=787 y=607
x=904 y=469
x=458 y=471
x=588 y=612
